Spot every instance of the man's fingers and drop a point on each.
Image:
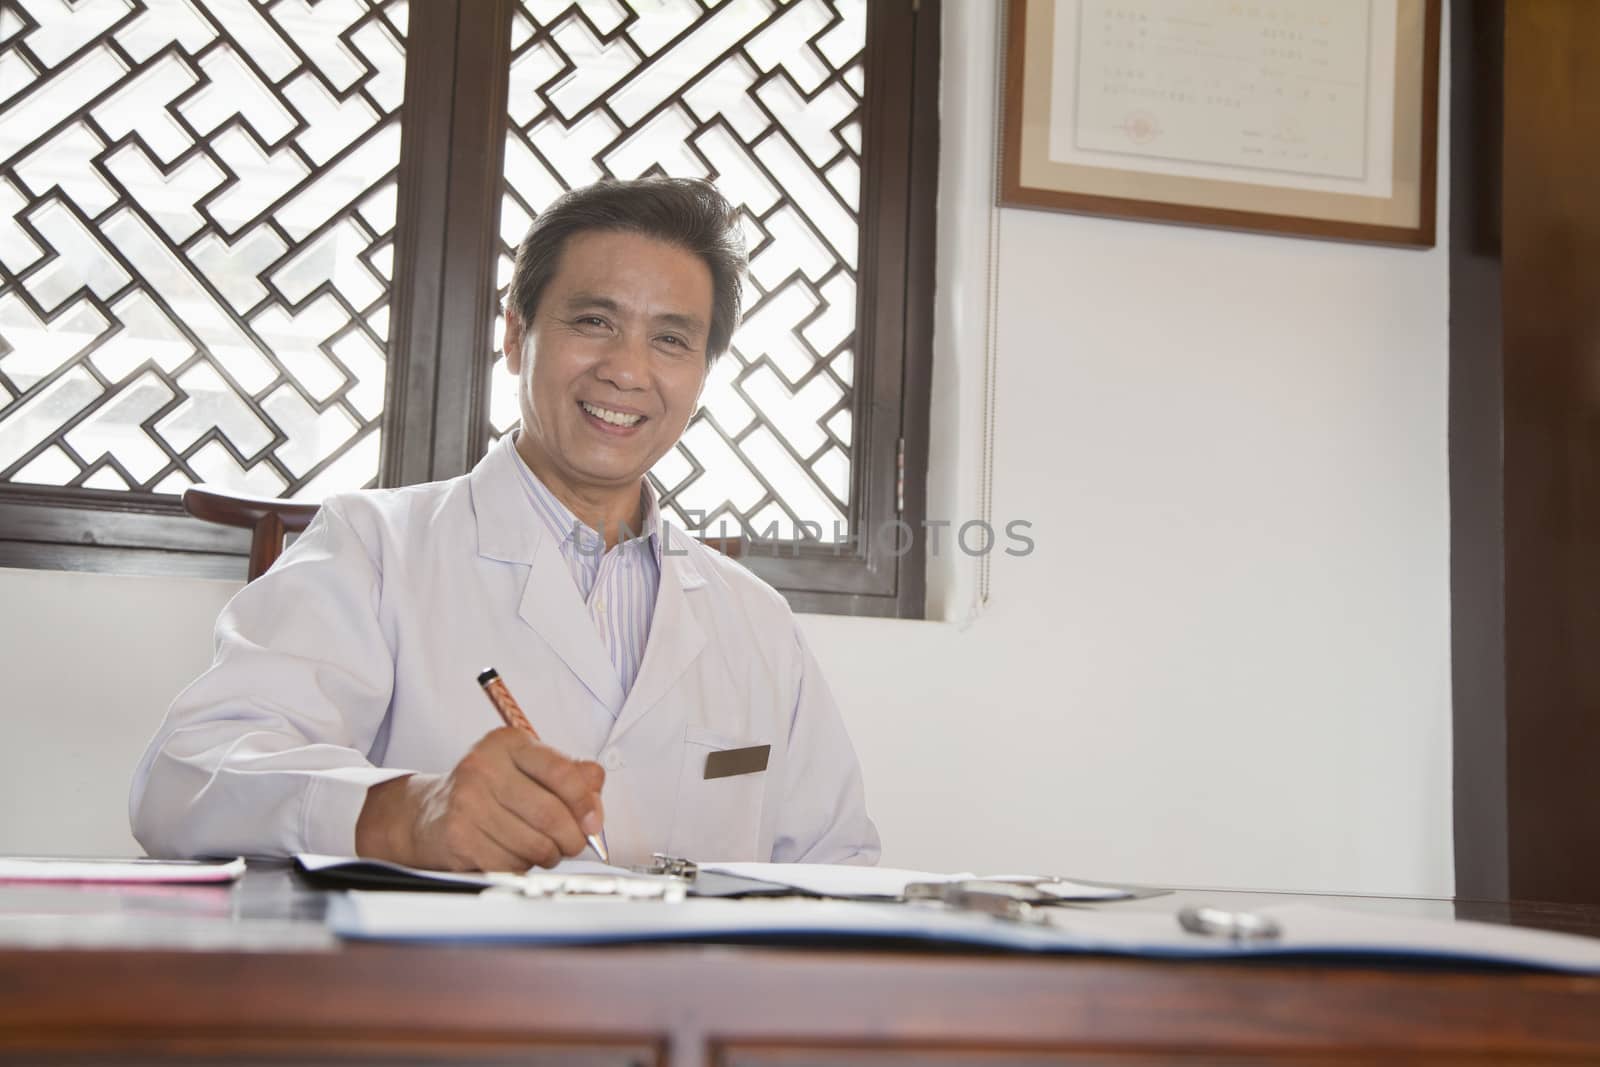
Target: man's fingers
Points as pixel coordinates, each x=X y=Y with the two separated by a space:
x=462 y=843
x=578 y=789
x=510 y=804
x=517 y=844
x=533 y=804
x=489 y=855
x=593 y=774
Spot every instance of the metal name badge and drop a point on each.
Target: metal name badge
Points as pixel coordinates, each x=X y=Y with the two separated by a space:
x=729 y=762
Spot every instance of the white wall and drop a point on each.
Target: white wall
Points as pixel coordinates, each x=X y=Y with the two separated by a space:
x=88 y=665
x=1227 y=661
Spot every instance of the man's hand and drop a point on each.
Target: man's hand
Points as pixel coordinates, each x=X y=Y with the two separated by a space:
x=510 y=804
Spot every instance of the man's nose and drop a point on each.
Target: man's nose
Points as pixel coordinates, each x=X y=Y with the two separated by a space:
x=626 y=362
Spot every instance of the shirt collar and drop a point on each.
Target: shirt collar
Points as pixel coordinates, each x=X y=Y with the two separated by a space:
x=566 y=527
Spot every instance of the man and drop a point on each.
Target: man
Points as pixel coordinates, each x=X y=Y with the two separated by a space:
x=341 y=714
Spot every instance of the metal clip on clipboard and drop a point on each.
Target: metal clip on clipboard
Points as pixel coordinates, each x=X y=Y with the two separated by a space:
x=1026 y=902
x=1016 y=901
x=661 y=863
x=1023 y=896
x=1236 y=926
x=705 y=883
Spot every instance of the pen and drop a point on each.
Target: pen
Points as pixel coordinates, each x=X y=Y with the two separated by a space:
x=511 y=714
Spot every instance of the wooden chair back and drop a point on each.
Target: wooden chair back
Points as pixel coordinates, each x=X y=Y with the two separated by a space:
x=268 y=520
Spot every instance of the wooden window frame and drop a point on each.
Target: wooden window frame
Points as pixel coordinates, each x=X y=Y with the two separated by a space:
x=443 y=295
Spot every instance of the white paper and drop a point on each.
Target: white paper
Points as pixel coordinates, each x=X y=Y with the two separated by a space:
x=1307 y=929
x=820 y=878
x=843 y=880
x=573 y=920
x=589 y=867
x=317 y=863
x=47 y=869
x=1316 y=928
x=1289 y=93
x=823 y=879
x=834 y=879
x=1064 y=888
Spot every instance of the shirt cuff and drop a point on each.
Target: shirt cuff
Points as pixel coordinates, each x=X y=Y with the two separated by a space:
x=333 y=804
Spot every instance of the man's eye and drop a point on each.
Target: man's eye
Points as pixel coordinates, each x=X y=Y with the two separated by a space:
x=673 y=339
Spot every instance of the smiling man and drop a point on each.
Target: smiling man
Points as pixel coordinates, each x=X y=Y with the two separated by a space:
x=678 y=707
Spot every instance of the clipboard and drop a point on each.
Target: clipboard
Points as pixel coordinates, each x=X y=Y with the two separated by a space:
x=717 y=880
x=570 y=880
x=122 y=870
x=344 y=872
x=1277 y=932
x=676 y=876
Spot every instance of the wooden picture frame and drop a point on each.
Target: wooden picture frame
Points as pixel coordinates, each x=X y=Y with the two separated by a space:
x=1314 y=118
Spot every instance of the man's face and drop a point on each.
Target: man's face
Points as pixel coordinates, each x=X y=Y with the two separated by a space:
x=611 y=367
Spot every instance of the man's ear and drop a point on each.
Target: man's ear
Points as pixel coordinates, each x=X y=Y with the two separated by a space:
x=512 y=346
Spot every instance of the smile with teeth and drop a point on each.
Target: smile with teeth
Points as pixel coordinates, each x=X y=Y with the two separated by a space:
x=615 y=418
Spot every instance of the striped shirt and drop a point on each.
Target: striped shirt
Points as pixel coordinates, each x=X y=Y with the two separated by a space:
x=618 y=586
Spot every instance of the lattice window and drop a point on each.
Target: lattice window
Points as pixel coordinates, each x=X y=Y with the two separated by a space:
x=197 y=210
x=765 y=98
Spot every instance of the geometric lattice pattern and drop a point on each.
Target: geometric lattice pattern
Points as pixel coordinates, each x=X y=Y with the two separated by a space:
x=197 y=205
x=764 y=98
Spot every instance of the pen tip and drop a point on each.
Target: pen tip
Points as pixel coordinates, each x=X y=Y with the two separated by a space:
x=488 y=675
x=599 y=848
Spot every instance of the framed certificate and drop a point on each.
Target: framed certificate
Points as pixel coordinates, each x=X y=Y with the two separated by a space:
x=1310 y=117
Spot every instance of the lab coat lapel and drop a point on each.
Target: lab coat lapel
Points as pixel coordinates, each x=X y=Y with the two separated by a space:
x=675 y=634
x=509 y=531
x=551 y=606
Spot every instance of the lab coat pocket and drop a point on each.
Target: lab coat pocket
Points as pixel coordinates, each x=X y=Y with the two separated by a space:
x=718 y=818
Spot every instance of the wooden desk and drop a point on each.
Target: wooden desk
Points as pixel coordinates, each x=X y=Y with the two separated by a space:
x=248 y=976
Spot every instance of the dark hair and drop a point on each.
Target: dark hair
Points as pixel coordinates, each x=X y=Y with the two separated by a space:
x=685 y=212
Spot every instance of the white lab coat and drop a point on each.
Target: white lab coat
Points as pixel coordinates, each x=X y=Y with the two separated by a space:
x=354 y=660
